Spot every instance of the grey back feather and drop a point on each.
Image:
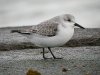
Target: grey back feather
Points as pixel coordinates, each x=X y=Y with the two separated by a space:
x=47 y=28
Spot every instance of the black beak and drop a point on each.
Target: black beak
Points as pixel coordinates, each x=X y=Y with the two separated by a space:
x=79 y=26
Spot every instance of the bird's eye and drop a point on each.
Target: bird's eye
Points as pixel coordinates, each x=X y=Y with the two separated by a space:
x=69 y=20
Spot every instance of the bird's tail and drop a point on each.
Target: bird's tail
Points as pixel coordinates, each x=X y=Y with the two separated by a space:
x=21 y=32
x=15 y=31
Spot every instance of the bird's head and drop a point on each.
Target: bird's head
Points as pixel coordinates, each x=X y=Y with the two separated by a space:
x=69 y=20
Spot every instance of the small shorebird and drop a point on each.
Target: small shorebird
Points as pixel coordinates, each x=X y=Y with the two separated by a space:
x=54 y=32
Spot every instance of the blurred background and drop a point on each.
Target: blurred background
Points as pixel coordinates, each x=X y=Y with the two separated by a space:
x=30 y=12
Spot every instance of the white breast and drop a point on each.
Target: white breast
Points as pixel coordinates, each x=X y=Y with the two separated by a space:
x=63 y=36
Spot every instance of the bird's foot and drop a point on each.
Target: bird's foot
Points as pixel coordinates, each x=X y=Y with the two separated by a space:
x=46 y=58
x=57 y=58
x=51 y=58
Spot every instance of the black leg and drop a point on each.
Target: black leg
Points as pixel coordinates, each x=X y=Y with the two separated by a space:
x=44 y=53
x=53 y=54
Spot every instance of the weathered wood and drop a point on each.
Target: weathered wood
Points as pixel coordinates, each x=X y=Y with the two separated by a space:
x=11 y=41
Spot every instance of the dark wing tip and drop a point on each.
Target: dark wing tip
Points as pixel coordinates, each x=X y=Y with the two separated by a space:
x=13 y=31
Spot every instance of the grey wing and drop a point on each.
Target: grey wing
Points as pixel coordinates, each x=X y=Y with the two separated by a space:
x=45 y=29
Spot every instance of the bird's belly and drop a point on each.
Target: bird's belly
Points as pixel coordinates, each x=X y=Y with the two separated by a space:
x=60 y=39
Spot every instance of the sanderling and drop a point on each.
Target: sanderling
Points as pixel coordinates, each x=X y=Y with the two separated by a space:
x=54 y=32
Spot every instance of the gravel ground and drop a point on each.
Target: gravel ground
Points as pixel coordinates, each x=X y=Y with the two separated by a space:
x=76 y=60
x=81 y=56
